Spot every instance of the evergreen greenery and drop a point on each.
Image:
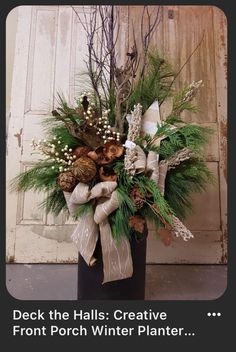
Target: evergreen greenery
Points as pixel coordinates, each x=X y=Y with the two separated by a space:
x=41 y=177
x=149 y=187
x=188 y=177
x=179 y=105
x=83 y=209
x=149 y=190
x=60 y=131
x=186 y=135
x=155 y=85
x=119 y=219
x=190 y=136
x=55 y=202
x=148 y=214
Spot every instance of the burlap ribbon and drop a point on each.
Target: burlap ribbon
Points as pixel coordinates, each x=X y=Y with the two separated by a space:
x=117 y=260
x=147 y=164
x=157 y=172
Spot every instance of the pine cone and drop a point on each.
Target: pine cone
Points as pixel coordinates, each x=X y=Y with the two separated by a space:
x=113 y=150
x=137 y=223
x=137 y=198
x=84 y=169
x=98 y=156
x=106 y=174
x=81 y=151
x=67 y=181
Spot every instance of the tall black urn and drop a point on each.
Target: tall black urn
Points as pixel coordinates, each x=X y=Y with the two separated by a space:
x=90 y=285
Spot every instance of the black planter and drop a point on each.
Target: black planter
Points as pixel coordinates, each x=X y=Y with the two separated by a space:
x=90 y=278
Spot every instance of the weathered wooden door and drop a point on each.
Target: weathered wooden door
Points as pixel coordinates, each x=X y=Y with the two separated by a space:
x=182 y=29
x=199 y=32
x=50 y=52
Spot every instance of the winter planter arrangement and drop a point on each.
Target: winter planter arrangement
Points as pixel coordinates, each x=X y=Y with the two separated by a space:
x=113 y=163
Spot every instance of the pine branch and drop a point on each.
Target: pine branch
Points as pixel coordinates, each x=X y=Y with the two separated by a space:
x=148 y=214
x=119 y=219
x=55 y=202
x=60 y=131
x=148 y=187
x=182 y=67
x=189 y=177
x=155 y=84
x=82 y=210
x=41 y=177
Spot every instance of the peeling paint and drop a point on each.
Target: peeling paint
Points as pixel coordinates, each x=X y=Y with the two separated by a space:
x=10 y=259
x=64 y=27
x=224 y=257
x=34 y=216
x=171 y=14
x=68 y=261
x=18 y=136
x=60 y=234
x=223 y=147
x=223 y=46
x=47 y=24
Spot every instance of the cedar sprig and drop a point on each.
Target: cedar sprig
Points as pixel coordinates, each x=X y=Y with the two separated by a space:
x=191 y=136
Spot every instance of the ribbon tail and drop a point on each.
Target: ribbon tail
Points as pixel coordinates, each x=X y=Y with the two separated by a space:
x=117 y=259
x=85 y=237
x=140 y=163
x=72 y=207
x=163 y=167
x=152 y=166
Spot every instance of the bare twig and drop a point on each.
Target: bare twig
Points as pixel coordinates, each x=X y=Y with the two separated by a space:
x=147 y=36
x=182 y=67
x=102 y=27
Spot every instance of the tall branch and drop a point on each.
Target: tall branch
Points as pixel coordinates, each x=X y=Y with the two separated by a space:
x=102 y=27
x=147 y=36
x=182 y=67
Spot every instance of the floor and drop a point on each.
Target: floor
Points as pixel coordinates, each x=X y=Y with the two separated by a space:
x=163 y=282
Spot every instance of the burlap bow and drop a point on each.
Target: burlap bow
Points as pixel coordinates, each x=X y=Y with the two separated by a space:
x=150 y=166
x=117 y=260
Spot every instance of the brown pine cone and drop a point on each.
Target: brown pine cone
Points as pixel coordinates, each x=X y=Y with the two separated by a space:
x=81 y=151
x=113 y=150
x=137 y=223
x=84 y=169
x=107 y=174
x=67 y=181
x=137 y=197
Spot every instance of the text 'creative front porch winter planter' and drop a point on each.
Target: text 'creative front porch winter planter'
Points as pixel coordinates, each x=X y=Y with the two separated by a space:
x=112 y=162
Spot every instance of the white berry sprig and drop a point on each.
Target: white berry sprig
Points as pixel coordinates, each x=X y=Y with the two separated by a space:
x=62 y=155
